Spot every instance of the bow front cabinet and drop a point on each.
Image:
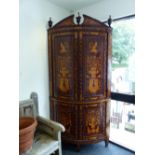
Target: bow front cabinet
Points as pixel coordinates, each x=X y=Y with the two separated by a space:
x=79 y=79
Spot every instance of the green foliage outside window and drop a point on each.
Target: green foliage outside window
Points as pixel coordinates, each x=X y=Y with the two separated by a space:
x=122 y=43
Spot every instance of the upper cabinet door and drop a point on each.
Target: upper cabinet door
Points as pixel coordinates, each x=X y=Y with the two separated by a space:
x=94 y=62
x=63 y=57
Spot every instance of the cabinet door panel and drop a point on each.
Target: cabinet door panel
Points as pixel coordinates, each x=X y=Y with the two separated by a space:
x=63 y=65
x=94 y=120
x=94 y=65
x=66 y=115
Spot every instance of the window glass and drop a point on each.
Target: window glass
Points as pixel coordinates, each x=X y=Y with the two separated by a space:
x=122 y=124
x=123 y=56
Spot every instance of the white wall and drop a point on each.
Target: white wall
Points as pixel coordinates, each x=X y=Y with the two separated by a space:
x=115 y=8
x=33 y=55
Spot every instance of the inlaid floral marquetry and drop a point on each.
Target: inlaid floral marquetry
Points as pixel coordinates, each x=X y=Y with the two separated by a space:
x=92 y=122
x=65 y=119
x=64 y=60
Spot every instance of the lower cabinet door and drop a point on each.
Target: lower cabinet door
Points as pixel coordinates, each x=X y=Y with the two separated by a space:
x=94 y=121
x=66 y=115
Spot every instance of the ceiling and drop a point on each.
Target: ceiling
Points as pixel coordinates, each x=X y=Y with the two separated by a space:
x=73 y=5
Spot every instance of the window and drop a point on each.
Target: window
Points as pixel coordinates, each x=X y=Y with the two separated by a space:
x=122 y=117
x=122 y=124
x=123 y=52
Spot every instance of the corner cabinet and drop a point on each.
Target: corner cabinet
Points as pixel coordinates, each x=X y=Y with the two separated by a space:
x=79 y=79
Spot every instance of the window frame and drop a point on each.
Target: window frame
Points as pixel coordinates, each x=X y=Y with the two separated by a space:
x=123 y=96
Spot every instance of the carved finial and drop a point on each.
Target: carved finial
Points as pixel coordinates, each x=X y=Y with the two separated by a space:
x=78 y=18
x=109 y=21
x=50 y=23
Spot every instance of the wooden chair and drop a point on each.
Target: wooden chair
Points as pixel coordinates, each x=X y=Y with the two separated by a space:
x=47 y=139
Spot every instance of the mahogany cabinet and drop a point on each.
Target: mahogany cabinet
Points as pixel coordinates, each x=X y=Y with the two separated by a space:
x=79 y=79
